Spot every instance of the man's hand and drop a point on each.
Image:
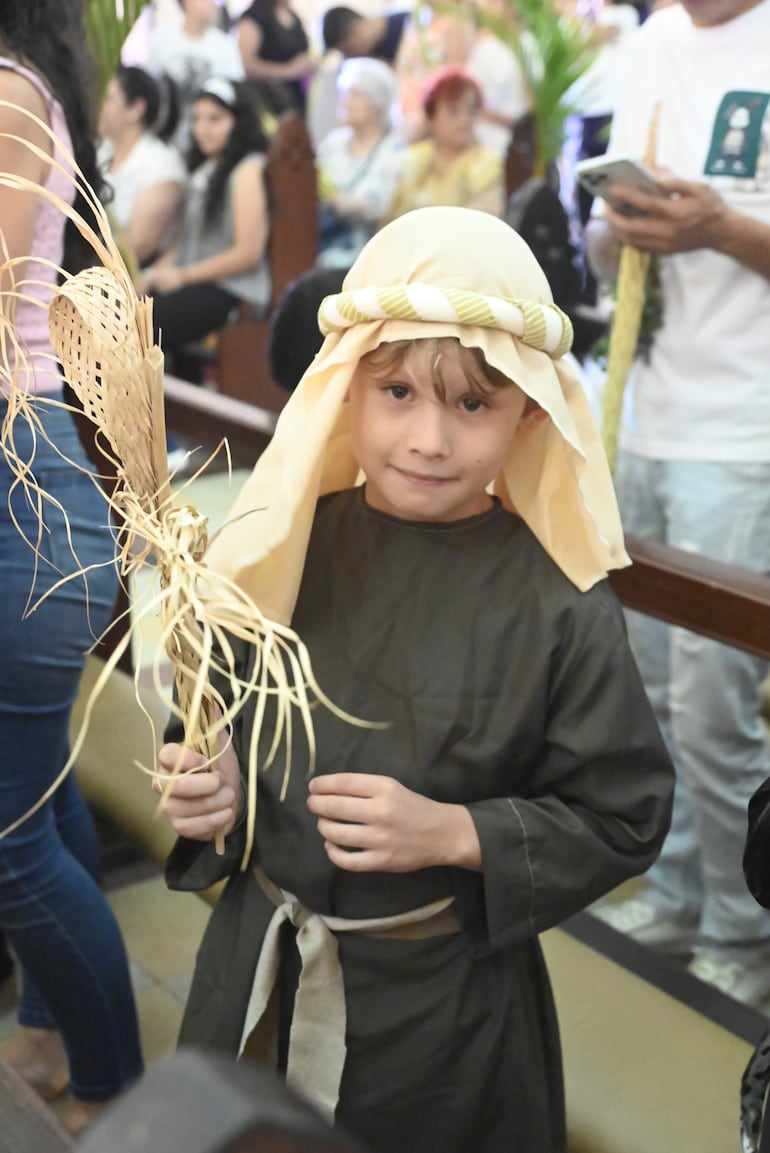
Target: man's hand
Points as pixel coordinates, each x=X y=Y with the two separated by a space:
x=689 y=215
x=374 y=824
x=199 y=804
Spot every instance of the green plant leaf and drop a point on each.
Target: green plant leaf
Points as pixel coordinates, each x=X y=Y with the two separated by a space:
x=107 y=24
x=552 y=51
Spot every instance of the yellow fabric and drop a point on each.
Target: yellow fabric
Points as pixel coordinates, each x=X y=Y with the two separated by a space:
x=475 y=179
x=555 y=476
x=542 y=326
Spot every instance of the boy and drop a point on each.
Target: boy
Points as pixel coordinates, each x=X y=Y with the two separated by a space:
x=519 y=772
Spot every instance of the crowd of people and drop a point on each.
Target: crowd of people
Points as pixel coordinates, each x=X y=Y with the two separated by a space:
x=394 y=126
x=426 y=855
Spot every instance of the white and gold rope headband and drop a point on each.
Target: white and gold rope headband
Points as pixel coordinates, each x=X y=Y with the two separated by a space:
x=541 y=326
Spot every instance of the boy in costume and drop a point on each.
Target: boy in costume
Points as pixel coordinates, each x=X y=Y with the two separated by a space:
x=513 y=770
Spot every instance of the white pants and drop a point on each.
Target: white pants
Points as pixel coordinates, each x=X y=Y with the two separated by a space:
x=706 y=696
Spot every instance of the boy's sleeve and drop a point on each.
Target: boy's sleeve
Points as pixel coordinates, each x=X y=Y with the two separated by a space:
x=599 y=804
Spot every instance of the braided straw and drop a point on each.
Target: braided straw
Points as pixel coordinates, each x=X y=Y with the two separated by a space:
x=541 y=326
x=102 y=335
x=626 y=324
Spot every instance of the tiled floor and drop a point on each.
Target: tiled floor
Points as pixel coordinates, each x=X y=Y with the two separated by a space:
x=162 y=931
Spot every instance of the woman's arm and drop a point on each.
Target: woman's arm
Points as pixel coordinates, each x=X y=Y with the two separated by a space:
x=250 y=43
x=153 y=212
x=18 y=210
x=250 y=230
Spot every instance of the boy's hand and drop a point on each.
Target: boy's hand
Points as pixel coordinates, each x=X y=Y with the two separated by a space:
x=373 y=824
x=199 y=804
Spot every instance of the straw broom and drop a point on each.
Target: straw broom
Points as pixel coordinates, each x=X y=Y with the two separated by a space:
x=626 y=323
x=102 y=336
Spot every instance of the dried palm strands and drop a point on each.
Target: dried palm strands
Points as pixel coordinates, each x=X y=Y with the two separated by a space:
x=626 y=324
x=102 y=336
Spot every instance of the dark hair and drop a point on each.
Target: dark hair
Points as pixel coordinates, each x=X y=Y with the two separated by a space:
x=136 y=84
x=159 y=96
x=48 y=34
x=336 y=24
x=295 y=337
x=246 y=136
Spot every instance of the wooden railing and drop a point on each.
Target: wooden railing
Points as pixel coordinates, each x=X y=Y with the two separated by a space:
x=720 y=601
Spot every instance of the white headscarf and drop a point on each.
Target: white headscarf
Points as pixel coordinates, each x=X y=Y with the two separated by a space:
x=375 y=79
x=555 y=475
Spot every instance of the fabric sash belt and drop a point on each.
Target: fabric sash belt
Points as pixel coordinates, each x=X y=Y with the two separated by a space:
x=317 y=1038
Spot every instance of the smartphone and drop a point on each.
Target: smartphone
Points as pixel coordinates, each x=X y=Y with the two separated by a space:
x=598 y=173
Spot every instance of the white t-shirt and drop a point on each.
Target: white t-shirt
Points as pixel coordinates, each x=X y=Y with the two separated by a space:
x=497 y=72
x=190 y=63
x=596 y=92
x=705 y=394
x=150 y=162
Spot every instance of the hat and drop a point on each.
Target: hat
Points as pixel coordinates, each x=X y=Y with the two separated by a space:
x=433 y=272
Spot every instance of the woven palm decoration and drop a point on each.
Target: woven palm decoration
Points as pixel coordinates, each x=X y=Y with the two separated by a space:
x=626 y=324
x=102 y=336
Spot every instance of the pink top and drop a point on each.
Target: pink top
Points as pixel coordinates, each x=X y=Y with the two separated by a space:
x=48 y=242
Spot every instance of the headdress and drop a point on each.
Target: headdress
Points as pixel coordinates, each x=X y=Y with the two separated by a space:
x=431 y=273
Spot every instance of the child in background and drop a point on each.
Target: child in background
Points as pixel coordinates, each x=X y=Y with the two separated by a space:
x=459 y=595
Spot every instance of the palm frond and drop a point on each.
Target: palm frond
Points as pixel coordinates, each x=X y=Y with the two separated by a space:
x=552 y=50
x=107 y=24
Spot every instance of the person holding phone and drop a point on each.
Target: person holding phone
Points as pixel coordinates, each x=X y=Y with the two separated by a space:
x=694 y=467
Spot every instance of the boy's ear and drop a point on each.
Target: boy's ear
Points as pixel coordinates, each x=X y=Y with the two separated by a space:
x=533 y=415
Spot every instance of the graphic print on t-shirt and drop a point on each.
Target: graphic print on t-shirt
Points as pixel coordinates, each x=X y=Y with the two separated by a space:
x=740 y=140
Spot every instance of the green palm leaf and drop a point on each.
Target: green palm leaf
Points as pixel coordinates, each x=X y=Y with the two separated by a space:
x=553 y=51
x=107 y=24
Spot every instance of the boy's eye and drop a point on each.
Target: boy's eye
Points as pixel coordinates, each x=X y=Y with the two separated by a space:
x=398 y=391
x=472 y=403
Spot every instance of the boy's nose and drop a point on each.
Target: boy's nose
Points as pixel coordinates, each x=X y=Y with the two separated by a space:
x=428 y=432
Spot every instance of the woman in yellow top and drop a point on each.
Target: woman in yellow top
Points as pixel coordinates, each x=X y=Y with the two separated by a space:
x=450 y=167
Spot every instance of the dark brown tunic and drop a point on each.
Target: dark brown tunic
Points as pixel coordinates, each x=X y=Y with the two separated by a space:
x=509 y=691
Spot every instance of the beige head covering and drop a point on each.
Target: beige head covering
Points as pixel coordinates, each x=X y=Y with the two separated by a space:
x=556 y=475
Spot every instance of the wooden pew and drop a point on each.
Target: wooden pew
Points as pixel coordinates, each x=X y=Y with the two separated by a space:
x=720 y=601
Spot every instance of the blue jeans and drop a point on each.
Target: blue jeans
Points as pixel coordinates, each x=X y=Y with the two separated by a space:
x=55 y=916
x=706 y=696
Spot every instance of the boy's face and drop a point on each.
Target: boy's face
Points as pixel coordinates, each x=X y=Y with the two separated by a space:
x=428 y=458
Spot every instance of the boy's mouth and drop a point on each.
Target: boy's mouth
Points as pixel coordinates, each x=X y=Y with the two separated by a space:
x=423 y=478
